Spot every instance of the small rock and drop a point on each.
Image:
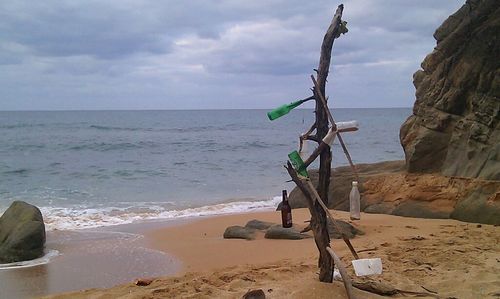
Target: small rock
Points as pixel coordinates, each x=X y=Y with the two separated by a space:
x=239 y=232
x=142 y=282
x=254 y=294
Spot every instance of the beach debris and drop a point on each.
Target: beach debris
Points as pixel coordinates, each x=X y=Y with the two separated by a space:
x=254 y=294
x=428 y=290
x=379 y=288
x=239 y=232
x=363 y=267
x=142 y=282
x=279 y=232
x=384 y=289
x=368 y=249
x=354 y=202
x=260 y=225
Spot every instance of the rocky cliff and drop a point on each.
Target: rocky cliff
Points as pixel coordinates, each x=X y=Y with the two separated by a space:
x=454 y=129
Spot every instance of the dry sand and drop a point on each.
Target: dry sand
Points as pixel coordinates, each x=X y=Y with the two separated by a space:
x=451 y=258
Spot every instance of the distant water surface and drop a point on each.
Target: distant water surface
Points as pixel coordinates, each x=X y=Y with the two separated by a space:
x=94 y=168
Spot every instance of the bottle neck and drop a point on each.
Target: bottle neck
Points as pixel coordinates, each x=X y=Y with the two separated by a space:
x=284 y=196
x=296 y=104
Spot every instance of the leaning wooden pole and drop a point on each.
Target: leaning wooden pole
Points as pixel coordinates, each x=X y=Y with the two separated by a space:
x=319 y=223
x=343 y=272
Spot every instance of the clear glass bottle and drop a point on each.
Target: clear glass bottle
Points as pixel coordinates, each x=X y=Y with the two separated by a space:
x=354 y=202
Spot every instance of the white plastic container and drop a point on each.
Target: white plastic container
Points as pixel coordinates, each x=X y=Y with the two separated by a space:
x=354 y=202
x=363 y=267
x=330 y=136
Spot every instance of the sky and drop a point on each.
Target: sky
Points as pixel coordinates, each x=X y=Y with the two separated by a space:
x=209 y=54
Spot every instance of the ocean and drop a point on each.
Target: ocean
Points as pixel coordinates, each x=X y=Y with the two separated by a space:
x=87 y=169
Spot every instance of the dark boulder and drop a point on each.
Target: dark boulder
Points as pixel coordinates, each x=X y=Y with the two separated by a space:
x=349 y=230
x=260 y=225
x=279 y=232
x=239 y=232
x=22 y=233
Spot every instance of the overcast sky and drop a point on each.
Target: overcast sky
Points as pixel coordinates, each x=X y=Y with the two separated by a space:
x=127 y=54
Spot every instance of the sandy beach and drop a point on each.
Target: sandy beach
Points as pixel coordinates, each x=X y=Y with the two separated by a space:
x=443 y=258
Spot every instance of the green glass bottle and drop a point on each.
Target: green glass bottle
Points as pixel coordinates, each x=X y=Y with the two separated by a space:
x=298 y=163
x=282 y=110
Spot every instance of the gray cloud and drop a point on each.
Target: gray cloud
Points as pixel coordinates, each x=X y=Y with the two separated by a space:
x=208 y=54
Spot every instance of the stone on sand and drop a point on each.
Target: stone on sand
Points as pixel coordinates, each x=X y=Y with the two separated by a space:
x=260 y=225
x=22 y=233
x=239 y=232
x=279 y=232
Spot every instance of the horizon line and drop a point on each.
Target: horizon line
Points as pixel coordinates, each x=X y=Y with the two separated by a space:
x=187 y=109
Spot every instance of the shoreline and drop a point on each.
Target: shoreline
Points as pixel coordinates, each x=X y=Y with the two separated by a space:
x=416 y=254
x=89 y=258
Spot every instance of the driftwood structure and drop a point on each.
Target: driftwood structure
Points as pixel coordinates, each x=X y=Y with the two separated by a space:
x=318 y=196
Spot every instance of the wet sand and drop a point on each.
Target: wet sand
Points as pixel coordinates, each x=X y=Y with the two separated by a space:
x=91 y=258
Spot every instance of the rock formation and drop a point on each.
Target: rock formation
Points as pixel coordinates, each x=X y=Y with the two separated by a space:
x=454 y=129
x=340 y=186
x=388 y=189
x=22 y=233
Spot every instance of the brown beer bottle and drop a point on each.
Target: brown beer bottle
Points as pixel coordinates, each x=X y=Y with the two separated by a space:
x=286 y=211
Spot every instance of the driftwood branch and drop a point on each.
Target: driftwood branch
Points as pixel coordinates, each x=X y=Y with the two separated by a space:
x=318 y=214
x=343 y=272
x=320 y=232
x=311 y=129
x=337 y=227
x=313 y=198
x=384 y=289
x=319 y=223
x=307 y=135
x=313 y=138
x=317 y=151
x=334 y=126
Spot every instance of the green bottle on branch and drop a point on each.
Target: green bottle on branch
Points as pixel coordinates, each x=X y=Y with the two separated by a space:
x=298 y=163
x=284 y=109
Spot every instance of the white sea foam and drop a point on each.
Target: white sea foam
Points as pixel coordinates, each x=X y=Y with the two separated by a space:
x=36 y=262
x=80 y=218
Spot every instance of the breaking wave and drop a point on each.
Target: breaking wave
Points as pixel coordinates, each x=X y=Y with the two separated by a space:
x=78 y=218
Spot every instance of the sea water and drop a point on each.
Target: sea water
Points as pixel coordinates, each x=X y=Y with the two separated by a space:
x=96 y=168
